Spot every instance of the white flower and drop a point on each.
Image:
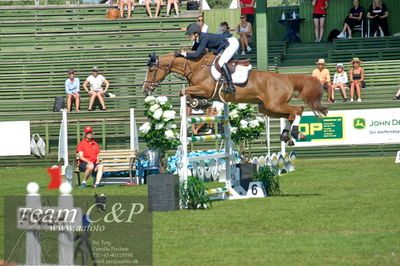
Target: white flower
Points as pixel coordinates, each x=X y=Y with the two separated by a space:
x=149 y=99
x=243 y=123
x=162 y=100
x=234 y=130
x=145 y=128
x=154 y=107
x=158 y=114
x=242 y=106
x=234 y=113
x=169 y=115
x=260 y=119
x=159 y=126
x=169 y=134
x=254 y=123
x=173 y=126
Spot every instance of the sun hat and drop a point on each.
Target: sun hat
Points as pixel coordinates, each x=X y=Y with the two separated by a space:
x=321 y=61
x=87 y=130
x=340 y=65
x=356 y=59
x=71 y=71
x=95 y=69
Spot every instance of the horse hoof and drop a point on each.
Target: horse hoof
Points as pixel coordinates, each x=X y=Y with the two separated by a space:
x=285 y=136
x=290 y=142
x=301 y=136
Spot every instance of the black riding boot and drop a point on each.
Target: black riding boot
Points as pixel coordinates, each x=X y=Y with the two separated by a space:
x=228 y=78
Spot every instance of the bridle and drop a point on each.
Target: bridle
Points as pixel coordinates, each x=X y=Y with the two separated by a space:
x=153 y=83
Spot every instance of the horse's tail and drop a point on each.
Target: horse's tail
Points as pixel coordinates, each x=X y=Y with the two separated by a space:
x=310 y=91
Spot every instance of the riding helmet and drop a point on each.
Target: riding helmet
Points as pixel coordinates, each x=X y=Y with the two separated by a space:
x=193 y=28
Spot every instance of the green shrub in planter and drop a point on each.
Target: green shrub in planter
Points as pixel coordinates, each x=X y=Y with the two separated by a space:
x=193 y=194
x=270 y=181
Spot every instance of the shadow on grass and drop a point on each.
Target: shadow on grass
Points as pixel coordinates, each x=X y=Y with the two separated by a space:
x=298 y=195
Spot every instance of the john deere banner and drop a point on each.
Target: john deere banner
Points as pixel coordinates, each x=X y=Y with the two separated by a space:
x=367 y=126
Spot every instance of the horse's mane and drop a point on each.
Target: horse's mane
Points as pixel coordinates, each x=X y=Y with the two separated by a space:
x=204 y=56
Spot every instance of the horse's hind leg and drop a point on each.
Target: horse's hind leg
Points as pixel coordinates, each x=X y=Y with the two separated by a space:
x=285 y=132
x=296 y=134
x=293 y=114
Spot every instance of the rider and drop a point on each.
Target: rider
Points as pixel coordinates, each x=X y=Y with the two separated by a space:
x=228 y=47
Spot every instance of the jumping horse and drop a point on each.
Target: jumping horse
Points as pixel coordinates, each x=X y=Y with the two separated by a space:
x=271 y=91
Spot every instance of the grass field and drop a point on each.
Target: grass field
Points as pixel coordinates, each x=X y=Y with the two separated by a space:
x=336 y=212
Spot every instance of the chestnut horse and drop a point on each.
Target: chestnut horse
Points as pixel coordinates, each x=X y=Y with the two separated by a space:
x=271 y=91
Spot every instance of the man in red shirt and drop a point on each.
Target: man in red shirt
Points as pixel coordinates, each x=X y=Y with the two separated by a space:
x=88 y=151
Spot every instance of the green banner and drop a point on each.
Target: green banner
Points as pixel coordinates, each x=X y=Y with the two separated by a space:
x=322 y=129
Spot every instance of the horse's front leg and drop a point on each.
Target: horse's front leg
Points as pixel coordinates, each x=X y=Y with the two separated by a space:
x=197 y=96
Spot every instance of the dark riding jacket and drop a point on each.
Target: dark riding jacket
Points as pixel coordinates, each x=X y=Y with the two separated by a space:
x=210 y=41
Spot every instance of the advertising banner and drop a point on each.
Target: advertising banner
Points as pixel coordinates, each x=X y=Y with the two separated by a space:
x=365 y=126
x=15 y=138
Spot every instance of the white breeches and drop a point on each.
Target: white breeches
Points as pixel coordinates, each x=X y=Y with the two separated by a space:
x=229 y=51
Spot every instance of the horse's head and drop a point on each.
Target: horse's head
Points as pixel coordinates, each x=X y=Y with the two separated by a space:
x=157 y=69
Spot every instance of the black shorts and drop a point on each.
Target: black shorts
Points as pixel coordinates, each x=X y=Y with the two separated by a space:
x=82 y=166
x=250 y=18
x=318 y=15
x=352 y=22
x=324 y=87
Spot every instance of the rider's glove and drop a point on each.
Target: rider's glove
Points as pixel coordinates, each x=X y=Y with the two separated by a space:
x=177 y=53
x=180 y=53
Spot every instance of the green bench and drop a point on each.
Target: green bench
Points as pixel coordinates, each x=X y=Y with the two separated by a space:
x=60 y=12
x=373 y=54
x=366 y=43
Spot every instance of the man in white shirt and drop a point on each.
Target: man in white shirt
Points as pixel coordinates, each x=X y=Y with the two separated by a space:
x=96 y=82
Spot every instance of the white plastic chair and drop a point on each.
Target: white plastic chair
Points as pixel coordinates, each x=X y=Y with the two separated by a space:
x=360 y=28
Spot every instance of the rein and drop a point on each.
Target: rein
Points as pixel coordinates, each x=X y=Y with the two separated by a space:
x=188 y=75
x=167 y=70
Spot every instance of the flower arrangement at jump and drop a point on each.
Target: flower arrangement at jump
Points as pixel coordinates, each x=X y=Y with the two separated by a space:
x=160 y=131
x=245 y=125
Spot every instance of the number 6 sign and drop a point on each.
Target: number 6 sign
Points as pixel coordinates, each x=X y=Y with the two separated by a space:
x=256 y=190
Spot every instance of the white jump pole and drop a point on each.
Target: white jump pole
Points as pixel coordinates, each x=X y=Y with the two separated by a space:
x=268 y=132
x=183 y=137
x=283 y=144
x=134 y=141
x=228 y=144
x=63 y=141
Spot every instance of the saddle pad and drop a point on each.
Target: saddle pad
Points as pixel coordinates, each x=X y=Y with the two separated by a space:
x=240 y=76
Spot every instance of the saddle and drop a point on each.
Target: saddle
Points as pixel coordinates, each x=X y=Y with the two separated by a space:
x=239 y=69
x=232 y=64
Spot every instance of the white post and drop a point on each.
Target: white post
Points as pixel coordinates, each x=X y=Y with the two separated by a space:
x=283 y=144
x=63 y=141
x=268 y=132
x=228 y=145
x=183 y=137
x=33 y=249
x=133 y=131
x=65 y=119
x=66 y=238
